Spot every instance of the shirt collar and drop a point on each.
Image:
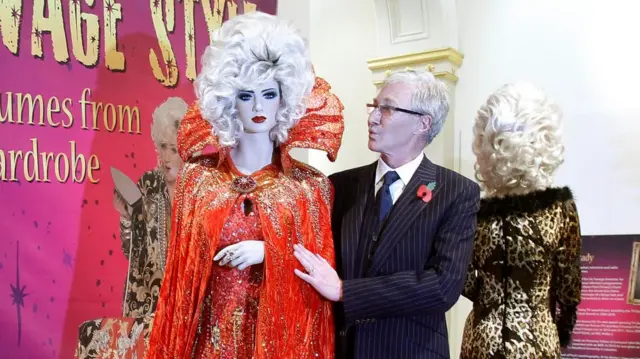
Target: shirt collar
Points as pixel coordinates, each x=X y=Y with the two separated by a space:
x=405 y=172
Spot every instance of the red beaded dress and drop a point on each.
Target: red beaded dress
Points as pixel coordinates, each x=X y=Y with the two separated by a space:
x=265 y=311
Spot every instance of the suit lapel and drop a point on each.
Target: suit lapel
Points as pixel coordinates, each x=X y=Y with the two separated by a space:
x=404 y=211
x=352 y=222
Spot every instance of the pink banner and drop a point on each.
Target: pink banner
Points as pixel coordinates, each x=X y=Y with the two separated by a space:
x=78 y=86
x=608 y=325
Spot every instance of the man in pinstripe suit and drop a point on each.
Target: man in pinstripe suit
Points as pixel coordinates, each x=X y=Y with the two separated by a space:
x=403 y=229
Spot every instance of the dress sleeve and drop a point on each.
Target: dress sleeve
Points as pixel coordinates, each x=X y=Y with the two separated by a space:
x=568 y=280
x=471 y=286
x=134 y=227
x=125 y=235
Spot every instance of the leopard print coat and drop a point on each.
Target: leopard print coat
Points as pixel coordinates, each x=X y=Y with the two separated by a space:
x=524 y=278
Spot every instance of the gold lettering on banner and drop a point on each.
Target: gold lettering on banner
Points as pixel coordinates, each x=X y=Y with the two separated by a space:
x=53 y=24
x=114 y=59
x=37 y=164
x=15 y=157
x=189 y=39
x=85 y=38
x=3 y=167
x=10 y=20
x=213 y=17
x=8 y=112
x=232 y=9
x=249 y=7
x=88 y=56
x=33 y=173
x=162 y=26
x=25 y=109
x=26 y=98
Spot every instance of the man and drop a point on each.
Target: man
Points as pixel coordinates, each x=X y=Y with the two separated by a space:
x=403 y=228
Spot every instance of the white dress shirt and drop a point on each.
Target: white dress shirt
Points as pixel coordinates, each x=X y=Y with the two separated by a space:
x=405 y=172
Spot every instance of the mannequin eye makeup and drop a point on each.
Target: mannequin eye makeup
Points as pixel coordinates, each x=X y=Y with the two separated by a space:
x=245 y=96
x=270 y=94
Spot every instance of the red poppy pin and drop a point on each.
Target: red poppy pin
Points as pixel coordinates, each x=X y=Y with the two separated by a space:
x=425 y=192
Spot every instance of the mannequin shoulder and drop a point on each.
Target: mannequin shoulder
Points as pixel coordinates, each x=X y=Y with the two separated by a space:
x=302 y=172
x=202 y=171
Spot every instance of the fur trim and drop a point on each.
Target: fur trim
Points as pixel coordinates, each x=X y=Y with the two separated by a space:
x=524 y=203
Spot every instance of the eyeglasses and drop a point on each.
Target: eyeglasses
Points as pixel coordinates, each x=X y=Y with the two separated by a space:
x=386 y=110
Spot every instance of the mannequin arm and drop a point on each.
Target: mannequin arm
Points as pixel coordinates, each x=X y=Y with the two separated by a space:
x=567 y=275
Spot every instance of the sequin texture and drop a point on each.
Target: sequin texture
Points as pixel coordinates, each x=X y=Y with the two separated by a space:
x=206 y=311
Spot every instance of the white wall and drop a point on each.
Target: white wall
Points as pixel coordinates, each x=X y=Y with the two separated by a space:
x=585 y=55
x=298 y=13
x=342 y=37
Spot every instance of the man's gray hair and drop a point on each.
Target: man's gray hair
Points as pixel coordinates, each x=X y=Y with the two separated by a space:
x=431 y=97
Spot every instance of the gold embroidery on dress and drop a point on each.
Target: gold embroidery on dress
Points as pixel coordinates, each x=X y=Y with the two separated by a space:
x=215 y=337
x=237 y=327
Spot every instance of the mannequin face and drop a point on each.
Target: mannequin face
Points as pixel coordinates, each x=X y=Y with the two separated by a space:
x=257 y=107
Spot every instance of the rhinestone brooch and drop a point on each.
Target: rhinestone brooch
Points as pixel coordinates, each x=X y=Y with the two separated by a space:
x=244 y=184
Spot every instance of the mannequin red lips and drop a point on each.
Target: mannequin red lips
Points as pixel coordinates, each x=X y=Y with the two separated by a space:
x=259 y=119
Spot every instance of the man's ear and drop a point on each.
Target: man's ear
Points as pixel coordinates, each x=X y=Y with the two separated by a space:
x=423 y=125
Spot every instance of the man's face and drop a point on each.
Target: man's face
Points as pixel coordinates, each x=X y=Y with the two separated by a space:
x=390 y=132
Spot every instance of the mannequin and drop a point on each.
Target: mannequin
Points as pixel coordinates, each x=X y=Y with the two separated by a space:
x=524 y=278
x=242 y=203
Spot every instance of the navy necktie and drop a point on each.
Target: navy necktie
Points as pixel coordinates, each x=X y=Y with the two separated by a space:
x=384 y=195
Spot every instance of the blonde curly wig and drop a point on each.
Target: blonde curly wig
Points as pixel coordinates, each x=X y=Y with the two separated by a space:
x=248 y=51
x=517 y=141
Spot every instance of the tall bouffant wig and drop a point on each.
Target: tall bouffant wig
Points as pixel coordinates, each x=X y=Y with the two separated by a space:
x=518 y=142
x=248 y=51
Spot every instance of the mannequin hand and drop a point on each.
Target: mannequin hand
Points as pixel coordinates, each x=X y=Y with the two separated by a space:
x=241 y=255
x=320 y=275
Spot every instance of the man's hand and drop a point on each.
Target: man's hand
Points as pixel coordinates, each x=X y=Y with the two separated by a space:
x=241 y=255
x=320 y=275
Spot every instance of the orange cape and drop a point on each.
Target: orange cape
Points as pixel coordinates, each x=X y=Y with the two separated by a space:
x=293 y=321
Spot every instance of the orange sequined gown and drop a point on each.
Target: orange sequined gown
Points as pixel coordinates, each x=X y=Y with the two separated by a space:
x=228 y=320
x=265 y=311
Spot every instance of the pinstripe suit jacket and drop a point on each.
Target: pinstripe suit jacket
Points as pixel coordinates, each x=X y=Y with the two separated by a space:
x=396 y=308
